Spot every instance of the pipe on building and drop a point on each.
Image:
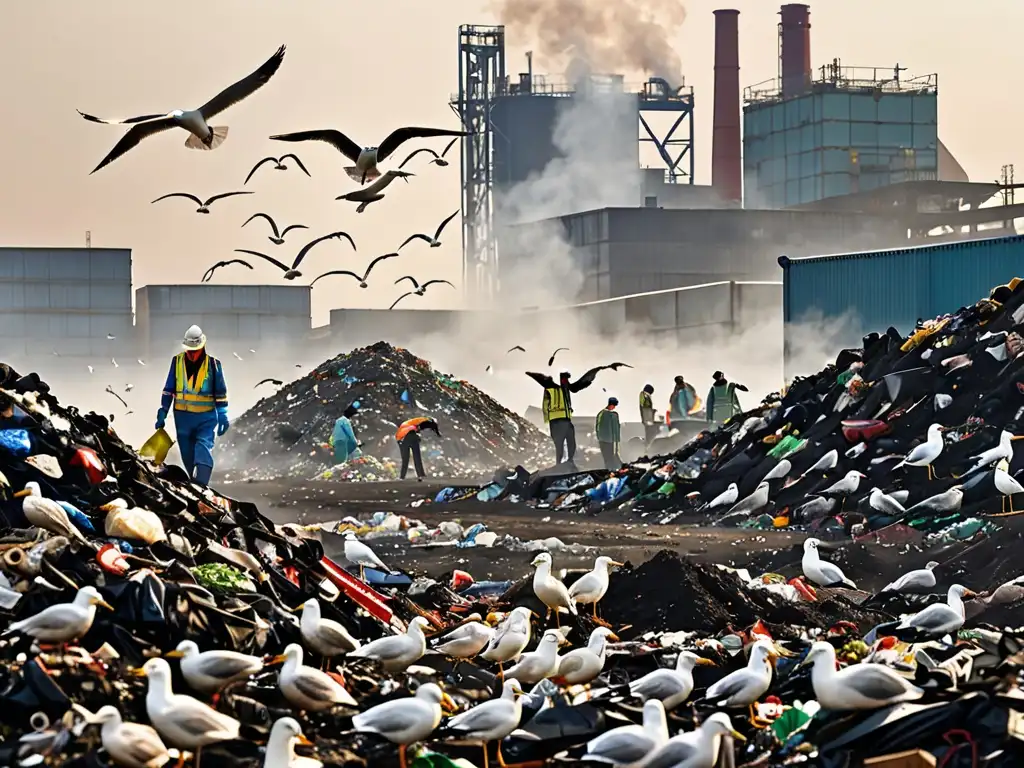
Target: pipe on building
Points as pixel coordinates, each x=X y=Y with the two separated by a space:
x=795 y=45
x=726 y=142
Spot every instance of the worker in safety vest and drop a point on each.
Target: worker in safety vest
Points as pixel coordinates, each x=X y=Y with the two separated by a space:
x=195 y=384
x=408 y=437
x=609 y=434
x=648 y=414
x=557 y=408
x=723 y=403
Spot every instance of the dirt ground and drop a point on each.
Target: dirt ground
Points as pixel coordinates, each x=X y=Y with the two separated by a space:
x=617 y=535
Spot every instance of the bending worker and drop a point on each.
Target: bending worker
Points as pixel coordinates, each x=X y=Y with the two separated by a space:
x=557 y=408
x=408 y=437
x=196 y=386
x=343 y=438
x=608 y=432
x=723 y=402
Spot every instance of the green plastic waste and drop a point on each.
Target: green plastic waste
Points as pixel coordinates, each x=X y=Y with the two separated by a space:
x=789 y=722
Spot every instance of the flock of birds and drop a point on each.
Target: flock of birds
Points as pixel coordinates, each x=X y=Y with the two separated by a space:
x=365 y=170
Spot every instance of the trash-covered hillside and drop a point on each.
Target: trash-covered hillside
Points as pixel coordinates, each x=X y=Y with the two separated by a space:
x=286 y=433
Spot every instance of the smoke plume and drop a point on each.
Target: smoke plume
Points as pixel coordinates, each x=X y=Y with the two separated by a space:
x=626 y=36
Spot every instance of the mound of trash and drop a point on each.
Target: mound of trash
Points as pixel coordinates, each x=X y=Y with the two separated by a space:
x=287 y=433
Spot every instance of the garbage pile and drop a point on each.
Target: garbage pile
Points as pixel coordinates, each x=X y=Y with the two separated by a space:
x=287 y=433
x=146 y=621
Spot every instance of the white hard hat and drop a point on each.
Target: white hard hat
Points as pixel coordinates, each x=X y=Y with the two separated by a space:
x=194 y=338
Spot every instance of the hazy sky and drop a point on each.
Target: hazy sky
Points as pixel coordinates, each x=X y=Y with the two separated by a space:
x=367 y=68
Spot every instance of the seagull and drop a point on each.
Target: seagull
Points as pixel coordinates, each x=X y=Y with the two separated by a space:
x=824 y=464
x=290 y=273
x=397 y=652
x=539 y=664
x=516 y=347
x=185 y=722
x=63 y=622
x=360 y=278
x=278 y=238
x=325 y=636
x=920 y=580
x=275 y=382
x=779 y=471
x=209 y=273
x=1007 y=486
x=846 y=486
x=278 y=165
x=140 y=361
x=695 y=749
x=434 y=241
x=109 y=390
x=491 y=720
x=45 y=513
x=629 y=745
x=284 y=735
x=815 y=509
x=111 y=337
x=671 y=687
x=581 y=665
x=1002 y=451
x=885 y=504
x=591 y=587
x=366 y=158
x=132 y=745
x=745 y=686
x=465 y=640
x=941 y=503
x=924 y=454
x=405 y=721
x=754 y=502
x=202 y=135
x=438 y=159
x=113 y=362
x=510 y=639
x=860 y=686
x=129 y=387
x=549 y=590
x=420 y=289
x=939 y=619
x=726 y=498
x=551 y=360
x=210 y=671
x=360 y=554
x=204 y=205
x=822 y=572
x=236 y=355
x=374 y=192
x=308 y=688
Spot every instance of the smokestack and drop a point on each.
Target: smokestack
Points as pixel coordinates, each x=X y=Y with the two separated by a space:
x=726 y=158
x=795 y=54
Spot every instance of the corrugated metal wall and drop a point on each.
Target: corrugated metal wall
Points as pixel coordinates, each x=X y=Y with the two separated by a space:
x=871 y=291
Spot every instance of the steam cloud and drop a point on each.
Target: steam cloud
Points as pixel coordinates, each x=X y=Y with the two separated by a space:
x=631 y=35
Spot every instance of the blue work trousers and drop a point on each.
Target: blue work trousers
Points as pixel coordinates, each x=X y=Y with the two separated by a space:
x=196 y=433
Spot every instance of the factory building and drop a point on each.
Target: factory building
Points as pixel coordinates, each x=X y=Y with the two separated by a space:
x=65 y=301
x=243 y=316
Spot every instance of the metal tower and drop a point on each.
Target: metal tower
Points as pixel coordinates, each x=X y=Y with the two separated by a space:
x=675 y=145
x=481 y=80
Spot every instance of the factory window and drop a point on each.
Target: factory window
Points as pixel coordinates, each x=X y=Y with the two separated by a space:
x=836 y=106
x=836 y=134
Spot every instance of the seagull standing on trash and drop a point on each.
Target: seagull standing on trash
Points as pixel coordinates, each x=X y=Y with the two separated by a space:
x=671 y=687
x=581 y=665
x=745 y=686
x=884 y=504
x=845 y=487
x=405 y=721
x=284 y=735
x=822 y=572
x=491 y=720
x=726 y=498
x=1002 y=452
x=629 y=745
x=927 y=452
x=132 y=745
x=591 y=587
x=47 y=514
x=325 y=636
x=1007 y=486
x=549 y=590
x=695 y=749
x=540 y=663
x=396 y=653
x=308 y=688
x=857 y=687
x=949 y=500
x=360 y=554
x=755 y=502
x=64 y=622
x=939 y=619
x=920 y=580
x=510 y=639
x=210 y=671
x=467 y=639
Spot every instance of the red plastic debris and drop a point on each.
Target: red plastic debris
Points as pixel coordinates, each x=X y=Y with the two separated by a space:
x=90 y=463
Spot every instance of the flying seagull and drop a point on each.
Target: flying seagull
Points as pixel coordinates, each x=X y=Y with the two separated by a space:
x=361 y=279
x=110 y=390
x=209 y=273
x=278 y=165
x=434 y=241
x=420 y=289
x=374 y=192
x=366 y=158
x=278 y=238
x=201 y=135
x=438 y=159
x=275 y=382
x=551 y=360
x=204 y=206
x=521 y=349
x=111 y=337
x=290 y=273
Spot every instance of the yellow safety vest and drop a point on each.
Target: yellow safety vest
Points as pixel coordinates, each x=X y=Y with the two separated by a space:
x=197 y=398
x=554 y=405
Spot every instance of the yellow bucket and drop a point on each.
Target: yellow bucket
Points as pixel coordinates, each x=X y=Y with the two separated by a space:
x=156 y=448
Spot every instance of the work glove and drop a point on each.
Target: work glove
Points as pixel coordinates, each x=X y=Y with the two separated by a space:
x=161 y=418
x=222 y=424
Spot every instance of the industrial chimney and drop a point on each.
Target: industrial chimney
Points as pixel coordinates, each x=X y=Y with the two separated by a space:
x=795 y=49
x=726 y=147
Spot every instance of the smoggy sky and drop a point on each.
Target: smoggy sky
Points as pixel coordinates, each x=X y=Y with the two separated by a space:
x=367 y=68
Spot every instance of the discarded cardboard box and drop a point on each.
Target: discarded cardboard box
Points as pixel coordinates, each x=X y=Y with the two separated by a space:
x=911 y=758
